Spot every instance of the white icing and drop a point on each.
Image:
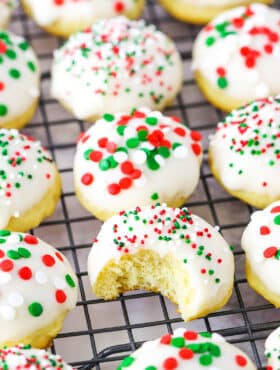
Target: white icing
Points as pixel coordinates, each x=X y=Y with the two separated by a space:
x=6 y=8
x=216 y=271
x=272 y=349
x=34 y=178
x=154 y=353
x=18 y=293
x=17 y=94
x=86 y=12
x=260 y=172
x=93 y=77
x=180 y=168
x=23 y=357
x=215 y=3
x=255 y=244
x=225 y=52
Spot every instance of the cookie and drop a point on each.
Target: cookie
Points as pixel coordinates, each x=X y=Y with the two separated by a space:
x=187 y=349
x=64 y=17
x=272 y=350
x=115 y=66
x=19 y=81
x=244 y=153
x=165 y=250
x=30 y=185
x=239 y=45
x=38 y=289
x=127 y=160
x=202 y=11
x=260 y=242
x=26 y=357
x=6 y=8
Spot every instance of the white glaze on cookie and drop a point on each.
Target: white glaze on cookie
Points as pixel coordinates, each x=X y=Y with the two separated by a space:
x=25 y=357
x=260 y=242
x=272 y=350
x=19 y=77
x=241 y=45
x=215 y=3
x=187 y=349
x=37 y=285
x=246 y=148
x=6 y=8
x=197 y=245
x=128 y=160
x=47 y=12
x=115 y=66
x=27 y=172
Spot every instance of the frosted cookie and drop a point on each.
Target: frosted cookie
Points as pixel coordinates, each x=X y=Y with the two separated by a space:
x=127 y=160
x=165 y=250
x=38 y=289
x=6 y=8
x=187 y=349
x=245 y=151
x=242 y=44
x=260 y=242
x=25 y=357
x=30 y=184
x=19 y=81
x=64 y=17
x=272 y=350
x=202 y=11
x=115 y=66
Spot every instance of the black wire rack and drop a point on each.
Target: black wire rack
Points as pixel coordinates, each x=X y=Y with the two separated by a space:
x=99 y=334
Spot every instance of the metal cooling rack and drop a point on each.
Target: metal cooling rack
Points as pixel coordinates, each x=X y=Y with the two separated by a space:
x=99 y=334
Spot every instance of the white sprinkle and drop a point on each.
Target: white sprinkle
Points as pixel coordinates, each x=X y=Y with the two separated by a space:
x=160 y=160
x=120 y=157
x=5 y=278
x=59 y=283
x=180 y=152
x=129 y=132
x=16 y=214
x=34 y=92
x=139 y=157
x=148 y=146
x=41 y=277
x=7 y=312
x=217 y=227
x=140 y=182
x=15 y=299
x=262 y=90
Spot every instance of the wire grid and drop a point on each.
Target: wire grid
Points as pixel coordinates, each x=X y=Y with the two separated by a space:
x=99 y=334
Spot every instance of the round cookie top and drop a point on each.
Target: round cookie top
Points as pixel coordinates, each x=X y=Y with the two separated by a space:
x=242 y=44
x=245 y=150
x=115 y=66
x=200 y=248
x=187 y=349
x=6 y=7
x=272 y=350
x=26 y=173
x=37 y=285
x=19 y=80
x=26 y=357
x=47 y=12
x=260 y=241
x=124 y=160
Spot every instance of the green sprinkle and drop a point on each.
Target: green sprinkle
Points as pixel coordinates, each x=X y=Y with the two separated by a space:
x=222 y=82
x=205 y=360
x=3 y=110
x=154 y=196
x=14 y=73
x=14 y=255
x=108 y=117
x=178 y=342
x=35 y=309
x=127 y=361
x=121 y=130
x=23 y=252
x=151 y=121
x=210 y=41
x=5 y=233
x=70 y=281
x=277 y=220
x=31 y=66
x=132 y=143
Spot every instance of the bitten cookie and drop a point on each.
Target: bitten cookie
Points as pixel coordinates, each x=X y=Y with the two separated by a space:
x=30 y=184
x=272 y=350
x=165 y=250
x=260 y=242
x=202 y=11
x=19 y=81
x=187 y=349
x=239 y=45
x=26 y=357
x=115 y=66
x=38 y=289
x=127 y=160
x=6 y=8
x=245 y=151
x=64 y=17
